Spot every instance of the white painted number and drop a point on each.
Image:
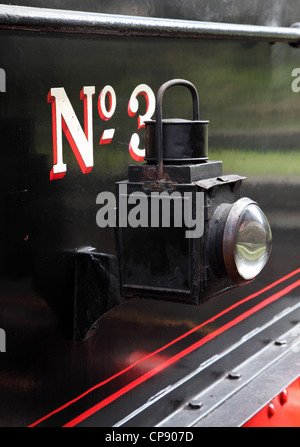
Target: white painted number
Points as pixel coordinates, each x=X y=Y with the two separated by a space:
x=105 y=113
x=64 y=120
x=133 y=106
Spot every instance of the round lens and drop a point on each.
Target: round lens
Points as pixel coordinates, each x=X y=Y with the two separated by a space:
x=253 y=242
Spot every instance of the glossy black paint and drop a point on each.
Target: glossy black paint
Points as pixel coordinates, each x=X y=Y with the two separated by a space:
x=162 y=262
x=246 y=92
x=189 y=134
x=176 y=141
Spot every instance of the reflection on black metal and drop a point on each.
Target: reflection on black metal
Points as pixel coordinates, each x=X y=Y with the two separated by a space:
x=42 y=19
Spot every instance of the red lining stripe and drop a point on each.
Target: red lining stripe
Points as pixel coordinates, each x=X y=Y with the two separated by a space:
x=178 y=356
x=215 y=317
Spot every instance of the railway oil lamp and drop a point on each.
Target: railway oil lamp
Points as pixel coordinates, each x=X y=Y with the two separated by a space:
x=185 y=232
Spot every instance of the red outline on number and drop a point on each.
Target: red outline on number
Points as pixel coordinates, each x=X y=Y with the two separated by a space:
x=51 y=100
x=83 y=167
x=129 y=111
x=102 y=116
x=180 y=354
x=75 y=150
x=134 y=155
x=105 y=140
x=132 y=152
x=83 y=98
x=145 y=94
x=132 y=114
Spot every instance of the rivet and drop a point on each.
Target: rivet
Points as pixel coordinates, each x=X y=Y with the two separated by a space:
x=195 y=405
x=283 y=397
x=271 y=410
x=234 y=376
x=280 y=342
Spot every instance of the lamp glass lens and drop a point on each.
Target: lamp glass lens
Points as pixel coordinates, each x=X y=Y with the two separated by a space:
x=253 y=242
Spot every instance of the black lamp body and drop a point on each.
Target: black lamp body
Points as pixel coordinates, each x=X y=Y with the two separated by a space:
x=161 y=261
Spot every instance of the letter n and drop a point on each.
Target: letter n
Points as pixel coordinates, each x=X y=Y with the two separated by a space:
x=65 y=120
